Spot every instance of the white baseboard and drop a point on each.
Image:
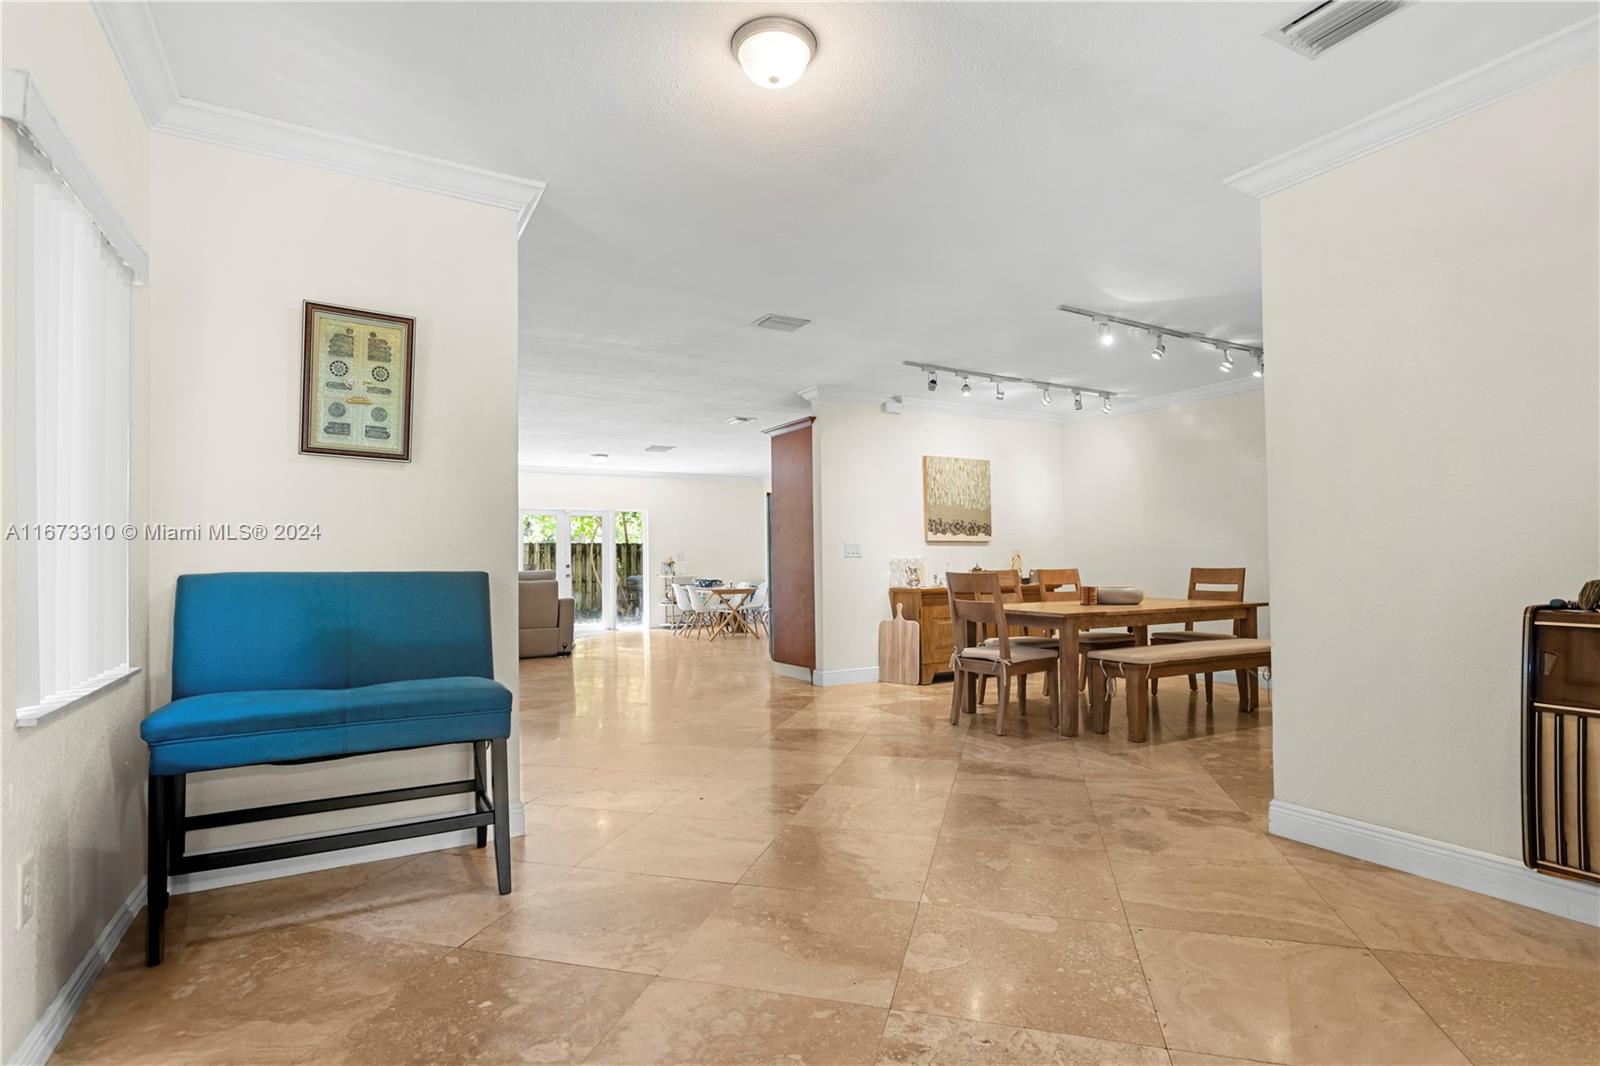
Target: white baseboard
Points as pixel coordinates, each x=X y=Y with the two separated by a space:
x=301 y=864
x=1451 y=864
x=861 y=675
x=799 y=673
x=41 y=1041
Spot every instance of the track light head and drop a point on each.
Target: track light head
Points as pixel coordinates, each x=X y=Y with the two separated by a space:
x=1261 y=367
x=999 y=390
x=1106 y=339
x=1045 y=397
x=1226 y=366
x=1077 y=400
x=933 y=381
x=1158 y=349
x=966 y=387
x=1105 y=404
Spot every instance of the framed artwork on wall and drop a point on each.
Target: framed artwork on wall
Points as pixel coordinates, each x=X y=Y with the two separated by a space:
x=955 y=500
x=356 y=388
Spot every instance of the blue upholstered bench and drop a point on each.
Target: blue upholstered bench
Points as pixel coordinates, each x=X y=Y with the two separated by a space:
x=302 y=667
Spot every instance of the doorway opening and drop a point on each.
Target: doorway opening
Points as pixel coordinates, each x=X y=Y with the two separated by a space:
x=599 y=560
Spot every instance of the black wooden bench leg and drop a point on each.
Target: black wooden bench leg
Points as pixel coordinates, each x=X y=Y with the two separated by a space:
x=502 y=815
x=477 y=775
x=156 y=869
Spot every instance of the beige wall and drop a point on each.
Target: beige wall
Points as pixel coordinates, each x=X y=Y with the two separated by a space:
x=715 y=526
x=869 y=483
x=73 y=785
x=242 y=239
x=1433 y=455
x=1157 y=492
x=1131 y=499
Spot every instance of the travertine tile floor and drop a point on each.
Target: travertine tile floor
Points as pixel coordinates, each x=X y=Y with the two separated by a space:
x=725 y=866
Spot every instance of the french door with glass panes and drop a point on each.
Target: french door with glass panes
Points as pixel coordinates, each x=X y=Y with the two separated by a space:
x=598 y=557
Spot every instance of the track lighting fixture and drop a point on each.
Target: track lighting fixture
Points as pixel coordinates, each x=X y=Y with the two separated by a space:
x=1104 y=324
x=1105 y=404
x=1000 y=381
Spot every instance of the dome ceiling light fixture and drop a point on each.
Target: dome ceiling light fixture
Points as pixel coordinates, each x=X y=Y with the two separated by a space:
x=774 y=51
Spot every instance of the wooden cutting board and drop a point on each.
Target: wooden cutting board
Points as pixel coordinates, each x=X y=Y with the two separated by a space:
x=899 y=650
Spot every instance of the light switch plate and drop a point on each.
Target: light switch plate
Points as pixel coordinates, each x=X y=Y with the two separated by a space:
x=852 y=551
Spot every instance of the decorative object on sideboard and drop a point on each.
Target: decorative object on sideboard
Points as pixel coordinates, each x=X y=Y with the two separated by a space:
x=955 y=500
x=669 y=567
x=355 y=397
x=1589 y=596
x=1016 y=562
x=1120 y=594
x=911 y=573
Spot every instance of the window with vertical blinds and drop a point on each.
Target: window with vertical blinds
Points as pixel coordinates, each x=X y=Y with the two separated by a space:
x=67 y=455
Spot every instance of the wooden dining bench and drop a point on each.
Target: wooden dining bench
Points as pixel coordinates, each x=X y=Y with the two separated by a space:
x=1140 y=665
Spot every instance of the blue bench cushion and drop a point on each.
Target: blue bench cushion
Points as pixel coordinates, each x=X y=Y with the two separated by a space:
x=223 y=729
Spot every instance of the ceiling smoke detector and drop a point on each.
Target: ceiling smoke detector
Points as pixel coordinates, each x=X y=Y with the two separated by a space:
x=781 y=323
x=659 y=447
x=1315 y=29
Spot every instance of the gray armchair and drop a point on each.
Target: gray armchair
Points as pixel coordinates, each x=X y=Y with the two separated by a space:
x=544 y=617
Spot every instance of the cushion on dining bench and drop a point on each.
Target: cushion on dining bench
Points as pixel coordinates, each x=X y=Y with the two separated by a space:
x=282 y=667
x=1190 y=652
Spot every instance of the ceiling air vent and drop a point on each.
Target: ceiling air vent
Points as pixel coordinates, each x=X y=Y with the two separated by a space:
x=781 y=323
x=1321 y=26
x=660 y=447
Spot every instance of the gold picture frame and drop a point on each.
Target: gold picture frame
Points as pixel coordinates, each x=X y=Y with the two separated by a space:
x=955 y=500
x=355 y=395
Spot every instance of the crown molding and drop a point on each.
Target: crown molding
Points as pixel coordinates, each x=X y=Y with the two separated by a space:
x=302 y=144
x=1539 y=61
x=132 y=32
x=131 y=29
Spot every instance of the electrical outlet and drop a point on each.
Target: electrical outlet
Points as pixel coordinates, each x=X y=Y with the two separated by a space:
x=27 y=889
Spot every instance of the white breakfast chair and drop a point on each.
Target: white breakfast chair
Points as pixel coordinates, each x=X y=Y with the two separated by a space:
x=755 y=608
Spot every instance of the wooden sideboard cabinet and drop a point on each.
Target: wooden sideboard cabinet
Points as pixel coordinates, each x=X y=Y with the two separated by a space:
x=929 y=607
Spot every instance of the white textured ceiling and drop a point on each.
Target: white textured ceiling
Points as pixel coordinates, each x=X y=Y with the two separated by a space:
x=941 y=178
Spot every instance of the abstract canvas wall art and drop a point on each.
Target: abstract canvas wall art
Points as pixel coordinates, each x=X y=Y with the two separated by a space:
x=955 y=500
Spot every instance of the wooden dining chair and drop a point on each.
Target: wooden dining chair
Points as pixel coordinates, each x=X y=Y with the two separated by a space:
x=1011 y=592
x=1062 y=584
x=1223 y=584
x=975 y=602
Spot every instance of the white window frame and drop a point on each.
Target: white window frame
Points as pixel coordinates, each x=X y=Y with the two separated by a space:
x=41 y=136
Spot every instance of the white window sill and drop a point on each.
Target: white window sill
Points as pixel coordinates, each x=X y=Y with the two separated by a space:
x=61 y=701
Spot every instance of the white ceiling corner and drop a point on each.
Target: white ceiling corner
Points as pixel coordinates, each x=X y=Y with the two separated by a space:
x=1538 y=61
x=132 y=31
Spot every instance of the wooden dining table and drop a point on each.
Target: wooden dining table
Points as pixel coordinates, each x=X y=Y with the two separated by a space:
x=1067 y=619
x=733 y=597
